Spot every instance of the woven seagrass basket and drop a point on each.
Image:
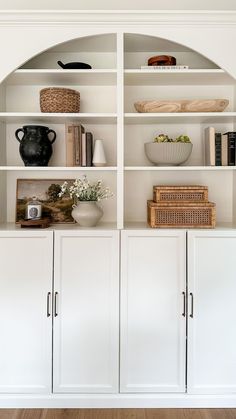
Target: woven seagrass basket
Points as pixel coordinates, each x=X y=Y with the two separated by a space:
x=179 y=215
x=59 y=100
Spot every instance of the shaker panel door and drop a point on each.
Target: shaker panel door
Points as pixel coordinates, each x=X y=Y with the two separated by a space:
x=86 y=325
x=25 y=311
x=212 y=312
x=153 y=322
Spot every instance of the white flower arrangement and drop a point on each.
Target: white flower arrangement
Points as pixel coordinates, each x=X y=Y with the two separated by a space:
x=83 y=190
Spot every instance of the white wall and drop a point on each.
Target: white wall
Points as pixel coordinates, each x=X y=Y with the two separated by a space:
x=119 y=4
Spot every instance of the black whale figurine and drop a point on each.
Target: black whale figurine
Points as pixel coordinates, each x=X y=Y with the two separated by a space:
x=74 y=65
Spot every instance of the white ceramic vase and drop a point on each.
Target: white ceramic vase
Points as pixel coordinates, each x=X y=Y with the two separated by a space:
x=99 y=157
x=87 y=213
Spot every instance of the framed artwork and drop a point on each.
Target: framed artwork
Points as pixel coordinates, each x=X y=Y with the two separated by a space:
x=46 y=191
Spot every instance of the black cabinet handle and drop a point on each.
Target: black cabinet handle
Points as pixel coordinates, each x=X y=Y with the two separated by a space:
x=191 y=312
x=55 y=304
x=184 y=304
x=48 y=304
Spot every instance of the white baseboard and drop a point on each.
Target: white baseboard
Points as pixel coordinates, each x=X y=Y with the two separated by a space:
x=117 y=401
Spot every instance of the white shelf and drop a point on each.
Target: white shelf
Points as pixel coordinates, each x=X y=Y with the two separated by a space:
x=53 y=77
x=11 y=226
x=136 y=225
x=179 y=168
x=179 y=118
x=178 y=77
x=110 y=118
x=58 y=168
x=58 y=118
x=143 y=225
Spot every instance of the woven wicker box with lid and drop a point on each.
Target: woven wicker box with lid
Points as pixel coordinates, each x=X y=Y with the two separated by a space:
x=181 y=207
x=182 y=194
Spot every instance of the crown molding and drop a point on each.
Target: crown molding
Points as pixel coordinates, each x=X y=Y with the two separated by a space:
x=117 y=17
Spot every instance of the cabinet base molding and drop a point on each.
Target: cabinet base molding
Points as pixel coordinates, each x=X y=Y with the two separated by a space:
x=88 y=401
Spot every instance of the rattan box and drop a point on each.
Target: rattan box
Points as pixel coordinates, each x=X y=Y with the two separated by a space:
x=182 y=194
x=179 y=215
x=59 y=100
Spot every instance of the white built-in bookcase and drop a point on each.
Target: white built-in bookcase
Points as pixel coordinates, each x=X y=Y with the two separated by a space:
x=108 y=93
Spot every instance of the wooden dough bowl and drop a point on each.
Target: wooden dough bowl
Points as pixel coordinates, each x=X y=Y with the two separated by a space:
x=206 y=105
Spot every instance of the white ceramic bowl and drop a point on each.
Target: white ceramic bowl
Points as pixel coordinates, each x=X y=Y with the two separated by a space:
x=168 y=154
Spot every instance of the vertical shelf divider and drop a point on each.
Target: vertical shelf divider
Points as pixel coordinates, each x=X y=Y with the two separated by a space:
x=3 y=158
x=233 y=172
x=120 y=129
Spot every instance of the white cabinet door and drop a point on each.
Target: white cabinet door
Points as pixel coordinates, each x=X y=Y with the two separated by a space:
x=153 y=324
x=212 y=319
x=25 y=318
x=86 y=327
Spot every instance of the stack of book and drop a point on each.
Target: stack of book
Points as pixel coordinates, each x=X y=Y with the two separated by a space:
x=219 y=148
x=79 y=146
x=164 y=67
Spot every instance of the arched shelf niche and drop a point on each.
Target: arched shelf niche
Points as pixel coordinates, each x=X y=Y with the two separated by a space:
x=97 y=50
x=100 y=51
x=138 y=48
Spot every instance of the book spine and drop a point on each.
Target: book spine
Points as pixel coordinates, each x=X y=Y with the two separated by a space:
x=210 y=146
x=77 y=145
x=218 y=149
x=89 y=149
x=231 y=148
x=81 y=132
x=224 y=150
x=69 y=136
x=79 y=129
x=83 y=149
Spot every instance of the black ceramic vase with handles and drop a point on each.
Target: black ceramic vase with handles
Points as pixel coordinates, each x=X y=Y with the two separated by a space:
x=35 y=145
